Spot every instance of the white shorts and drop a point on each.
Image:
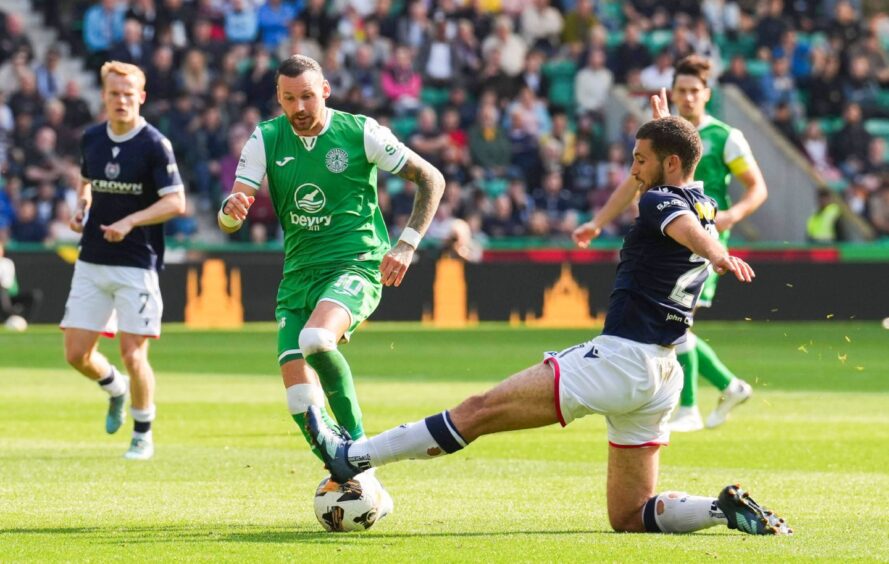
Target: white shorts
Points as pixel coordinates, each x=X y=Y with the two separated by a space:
x=634 y=385
x=104 y=298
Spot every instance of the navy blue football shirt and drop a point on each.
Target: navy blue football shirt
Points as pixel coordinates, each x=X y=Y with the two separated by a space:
x=658 y=280
x=127 y=173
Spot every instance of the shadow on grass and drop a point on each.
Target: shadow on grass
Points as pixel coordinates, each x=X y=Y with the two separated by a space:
x=276 y=535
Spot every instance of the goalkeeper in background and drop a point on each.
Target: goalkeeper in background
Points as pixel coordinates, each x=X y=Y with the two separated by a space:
x=726 y=154
x=321 y=165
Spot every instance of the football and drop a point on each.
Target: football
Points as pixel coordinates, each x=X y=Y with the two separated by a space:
x=16 y=323
x=353 y=506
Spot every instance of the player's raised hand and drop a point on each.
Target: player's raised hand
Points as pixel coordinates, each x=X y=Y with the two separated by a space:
x=586 y=233
x=741 y=270
x=395 y=264
x=660 y=107
x=237 y=205
x=116 y=232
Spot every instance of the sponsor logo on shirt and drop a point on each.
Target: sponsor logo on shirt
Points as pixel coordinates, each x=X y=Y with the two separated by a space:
x=337 y=160
x=284 y=161
x=310 y=199
x=679 y=318
x=676 y=203
x=115 y=187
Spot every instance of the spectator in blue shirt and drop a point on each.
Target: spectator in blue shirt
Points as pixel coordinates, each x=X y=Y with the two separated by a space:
x=274 y=20
x=102 y=28
x=241 y=23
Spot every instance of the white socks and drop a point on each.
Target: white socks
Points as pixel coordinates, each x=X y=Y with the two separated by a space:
x=143 y=418
x=409 y=441
x=114 y=383
x=678 y=512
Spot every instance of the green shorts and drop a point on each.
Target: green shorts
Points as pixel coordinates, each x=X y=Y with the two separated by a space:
x=356 y=288
x=709 y=291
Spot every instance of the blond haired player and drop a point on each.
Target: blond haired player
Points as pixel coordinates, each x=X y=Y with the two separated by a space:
x=130 y=186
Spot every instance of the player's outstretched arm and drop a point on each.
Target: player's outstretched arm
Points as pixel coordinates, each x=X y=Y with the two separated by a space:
x=167 y=207
x=686 y=231
x=234 y=208
x=430 y=186
x=618 y=201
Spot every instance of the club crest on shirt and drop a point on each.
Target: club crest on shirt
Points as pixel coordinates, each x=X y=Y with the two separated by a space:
x=337 y=160
x=112 y=171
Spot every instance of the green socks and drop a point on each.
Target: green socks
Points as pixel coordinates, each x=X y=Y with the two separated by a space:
x=336 y=380
x=300 y=420
x=689 y=362
x=701 y=359
x=712 y=368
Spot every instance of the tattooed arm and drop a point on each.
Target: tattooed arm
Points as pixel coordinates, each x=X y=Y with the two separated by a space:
x=430 y=186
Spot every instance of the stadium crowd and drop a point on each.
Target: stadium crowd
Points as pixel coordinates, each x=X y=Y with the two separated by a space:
x=506 y=97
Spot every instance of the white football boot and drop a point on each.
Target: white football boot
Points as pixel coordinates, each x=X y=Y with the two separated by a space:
x=738 y=392
x=140 y=449
x=686 y=420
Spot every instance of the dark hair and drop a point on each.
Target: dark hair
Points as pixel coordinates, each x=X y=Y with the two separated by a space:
x=295 y=65
x=673 y=136
x=693 y=65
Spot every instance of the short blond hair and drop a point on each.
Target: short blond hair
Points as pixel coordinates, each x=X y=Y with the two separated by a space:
x=123 y=69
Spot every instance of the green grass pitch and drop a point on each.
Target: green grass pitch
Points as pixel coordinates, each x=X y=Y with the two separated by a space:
x=233 y=480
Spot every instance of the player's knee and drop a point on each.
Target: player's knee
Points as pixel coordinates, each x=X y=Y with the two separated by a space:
x=133 y=356
x=623 y=521
x=77 y=357
x=301 y=396
x=314 y=340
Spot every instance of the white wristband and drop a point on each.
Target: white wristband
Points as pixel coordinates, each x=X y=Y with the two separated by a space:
x=225 y=219
x=411 y=237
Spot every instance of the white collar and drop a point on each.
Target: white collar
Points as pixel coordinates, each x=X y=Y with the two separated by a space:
x=129 y=134
x=309 y=140
x=696 y=185
x=705 y=121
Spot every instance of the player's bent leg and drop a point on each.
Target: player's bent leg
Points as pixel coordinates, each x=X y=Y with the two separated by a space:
x=81 y=352
x=632 y=479
x=633 y=505
x=523 y=401
x=318 y=342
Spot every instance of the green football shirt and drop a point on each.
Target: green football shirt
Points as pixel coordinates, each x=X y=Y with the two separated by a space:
x=324 y=188
x=726 y=153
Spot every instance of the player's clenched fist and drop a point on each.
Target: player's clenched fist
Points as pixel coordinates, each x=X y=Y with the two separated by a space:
x=395 y=264
x=237 y=205
x=585 y=233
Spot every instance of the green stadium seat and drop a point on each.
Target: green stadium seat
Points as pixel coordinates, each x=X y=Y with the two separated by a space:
x=495 y=186
x=404 y=126
x=435 y=97
x=831 y=125
x=614 y=39
x=657 y=40
x=559 y=68
x=394 y=185
x=878 y=127
x=838 y=185
x=757 y=67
